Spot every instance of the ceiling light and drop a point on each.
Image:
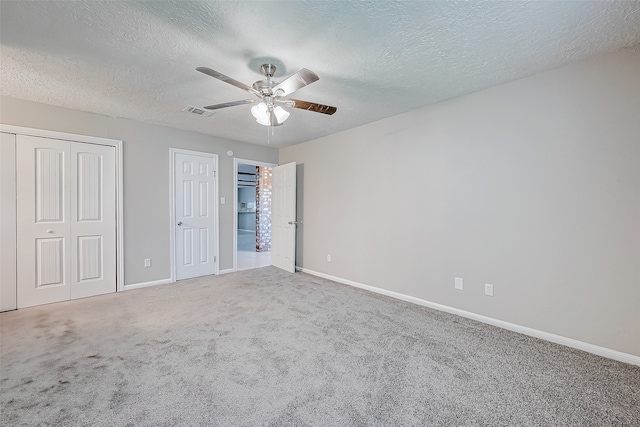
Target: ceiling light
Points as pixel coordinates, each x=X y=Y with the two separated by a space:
x=261 y=113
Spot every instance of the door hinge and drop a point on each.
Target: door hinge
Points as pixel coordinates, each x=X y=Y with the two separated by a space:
x=215 y=258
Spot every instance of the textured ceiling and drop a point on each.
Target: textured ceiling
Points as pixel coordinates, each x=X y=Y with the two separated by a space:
x=375 y=59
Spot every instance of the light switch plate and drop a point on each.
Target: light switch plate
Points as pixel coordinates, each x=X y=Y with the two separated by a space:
x=459 y=283
x=488 y=290
x=223 y=200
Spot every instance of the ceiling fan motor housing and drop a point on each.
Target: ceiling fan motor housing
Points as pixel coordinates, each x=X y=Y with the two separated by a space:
x=264 y=87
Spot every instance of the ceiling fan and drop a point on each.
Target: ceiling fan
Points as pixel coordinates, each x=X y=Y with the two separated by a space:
x=270 y=94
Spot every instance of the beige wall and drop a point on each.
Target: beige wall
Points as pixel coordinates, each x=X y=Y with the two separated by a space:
x=146 y=177
x=532 y=186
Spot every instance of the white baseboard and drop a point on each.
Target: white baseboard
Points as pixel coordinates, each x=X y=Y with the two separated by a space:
x=164 y=281
x=146 y=284
x=569 y=342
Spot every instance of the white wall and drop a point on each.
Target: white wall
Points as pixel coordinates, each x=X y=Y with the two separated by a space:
x=532 y=186
x=146 y=177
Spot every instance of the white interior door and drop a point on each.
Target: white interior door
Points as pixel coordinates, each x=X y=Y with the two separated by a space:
x=195 y=204
x=66 y=220
x=283 y=217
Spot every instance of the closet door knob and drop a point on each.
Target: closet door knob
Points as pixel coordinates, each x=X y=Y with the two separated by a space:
x=50 y=231
x=180 y=223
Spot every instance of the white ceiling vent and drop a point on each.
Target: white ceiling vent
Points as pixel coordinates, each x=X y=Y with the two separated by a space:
x=199 y=111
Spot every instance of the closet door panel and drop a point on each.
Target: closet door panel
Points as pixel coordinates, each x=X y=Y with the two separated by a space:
x=93 y=220
x=8 y=298
x=43 y=221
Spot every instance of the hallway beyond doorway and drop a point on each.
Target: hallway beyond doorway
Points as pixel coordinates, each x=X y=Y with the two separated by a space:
x=247 y=255
x=252 y=212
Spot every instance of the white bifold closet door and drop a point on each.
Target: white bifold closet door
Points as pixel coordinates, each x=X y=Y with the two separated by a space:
x=66 y=218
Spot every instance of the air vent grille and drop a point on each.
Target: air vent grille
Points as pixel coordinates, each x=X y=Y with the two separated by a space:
x=199 y=111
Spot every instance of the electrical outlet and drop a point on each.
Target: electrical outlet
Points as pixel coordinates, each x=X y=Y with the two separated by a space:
x=459 y=284
x=329 y=257
x=147 y=262
x=488 y=289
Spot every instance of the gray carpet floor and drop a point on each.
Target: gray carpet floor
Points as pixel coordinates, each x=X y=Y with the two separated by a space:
x=267 y=348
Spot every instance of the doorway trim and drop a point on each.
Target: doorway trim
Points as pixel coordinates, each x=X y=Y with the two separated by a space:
x=172 y=207
x=237 y=162
x=117 y=144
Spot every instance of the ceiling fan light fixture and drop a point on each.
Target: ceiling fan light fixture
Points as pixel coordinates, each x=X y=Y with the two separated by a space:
x=261 y=113
x=281 y=114
x=264 y=121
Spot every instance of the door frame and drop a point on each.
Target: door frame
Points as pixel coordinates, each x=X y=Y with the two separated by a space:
x=117 y=144
x=237 y=162
x=172 y=207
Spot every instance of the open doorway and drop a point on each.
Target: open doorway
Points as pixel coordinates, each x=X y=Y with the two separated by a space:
x=252 y=214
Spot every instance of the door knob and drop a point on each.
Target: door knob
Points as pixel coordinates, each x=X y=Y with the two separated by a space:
x=292 y=222
x=50 y=231
x=180 y=223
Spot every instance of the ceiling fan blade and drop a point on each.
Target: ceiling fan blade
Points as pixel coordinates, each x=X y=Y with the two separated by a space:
x=230 y=104
x=310 y=106
x=295 y=82
x=226 y=79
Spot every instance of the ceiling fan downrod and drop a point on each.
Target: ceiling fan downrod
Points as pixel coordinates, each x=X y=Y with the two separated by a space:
x=268 y=70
